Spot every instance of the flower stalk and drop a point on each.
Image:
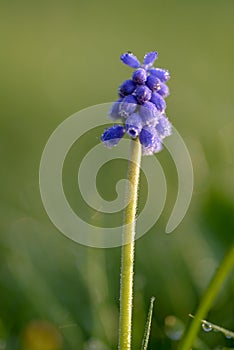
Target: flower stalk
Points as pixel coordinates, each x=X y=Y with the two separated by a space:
x=128 y=247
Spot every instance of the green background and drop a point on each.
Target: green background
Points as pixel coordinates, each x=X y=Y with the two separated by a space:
x=58 y=57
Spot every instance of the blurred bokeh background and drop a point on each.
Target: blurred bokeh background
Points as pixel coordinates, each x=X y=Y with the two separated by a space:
x=58 y=57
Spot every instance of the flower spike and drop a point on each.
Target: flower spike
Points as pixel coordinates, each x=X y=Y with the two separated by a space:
x=141 y=107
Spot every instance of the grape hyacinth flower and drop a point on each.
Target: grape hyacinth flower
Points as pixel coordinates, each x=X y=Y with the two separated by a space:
x=112 y=136
x=140 y=110
x=141 y=106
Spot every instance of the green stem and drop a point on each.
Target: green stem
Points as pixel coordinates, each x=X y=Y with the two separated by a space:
x=127 y=255
x=207 y=300
x=215 y=327
x=145 y=340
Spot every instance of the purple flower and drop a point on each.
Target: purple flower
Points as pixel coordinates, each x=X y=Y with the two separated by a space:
x=149 y=59
x=127 y=88
x=158 y=101
x=150 y=141
x=143 y=94
x=163 y=127
x=162 y=74
x=149 y=113
x=114 y=112
x=112 y=135
x=153 y=83
x=141 y=107
x=133 y=125
x=164 y=90
x=139 y=76
x=130 y=60
x=128 y=106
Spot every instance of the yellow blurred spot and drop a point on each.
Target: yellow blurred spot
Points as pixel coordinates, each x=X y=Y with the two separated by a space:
x=41 y=335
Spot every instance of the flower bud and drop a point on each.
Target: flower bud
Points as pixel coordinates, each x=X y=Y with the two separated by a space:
x=139 y=76
x=127 y=88
x=112 y=135
x=149 y=58
x=150 y=141
x=162 y=74
x=164 y=90
x=163 y=127
x=149 y=113
x=133 y=125
x=114 y=112
x=153 y=83
x=130 y=60
x=158 y=101
x=143 y=94
x=128 y=106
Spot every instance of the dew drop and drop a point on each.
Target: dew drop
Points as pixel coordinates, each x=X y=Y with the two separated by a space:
x=228 y=336
x=206 y=326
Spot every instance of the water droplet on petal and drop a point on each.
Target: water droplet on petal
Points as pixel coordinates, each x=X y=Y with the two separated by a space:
x=206 y=326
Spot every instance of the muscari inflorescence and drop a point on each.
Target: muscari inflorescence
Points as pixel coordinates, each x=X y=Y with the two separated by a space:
x=141 y=106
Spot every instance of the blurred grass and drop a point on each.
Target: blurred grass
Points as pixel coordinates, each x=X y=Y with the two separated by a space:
x=58 y=57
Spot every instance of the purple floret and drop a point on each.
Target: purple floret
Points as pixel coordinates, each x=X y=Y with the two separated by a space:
x=112 y=135
x=163 y=127
x=127 y=88
x=164 y=90
x=128 y=106
x=134 y=125
x=149 y=113
x=114 y=112
x=139 y=76
x=149 y=58
x=162 y=74
x=150 y=141
x=130 y=60
x=153 y=83
x=158 y=101
x=143 y=94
